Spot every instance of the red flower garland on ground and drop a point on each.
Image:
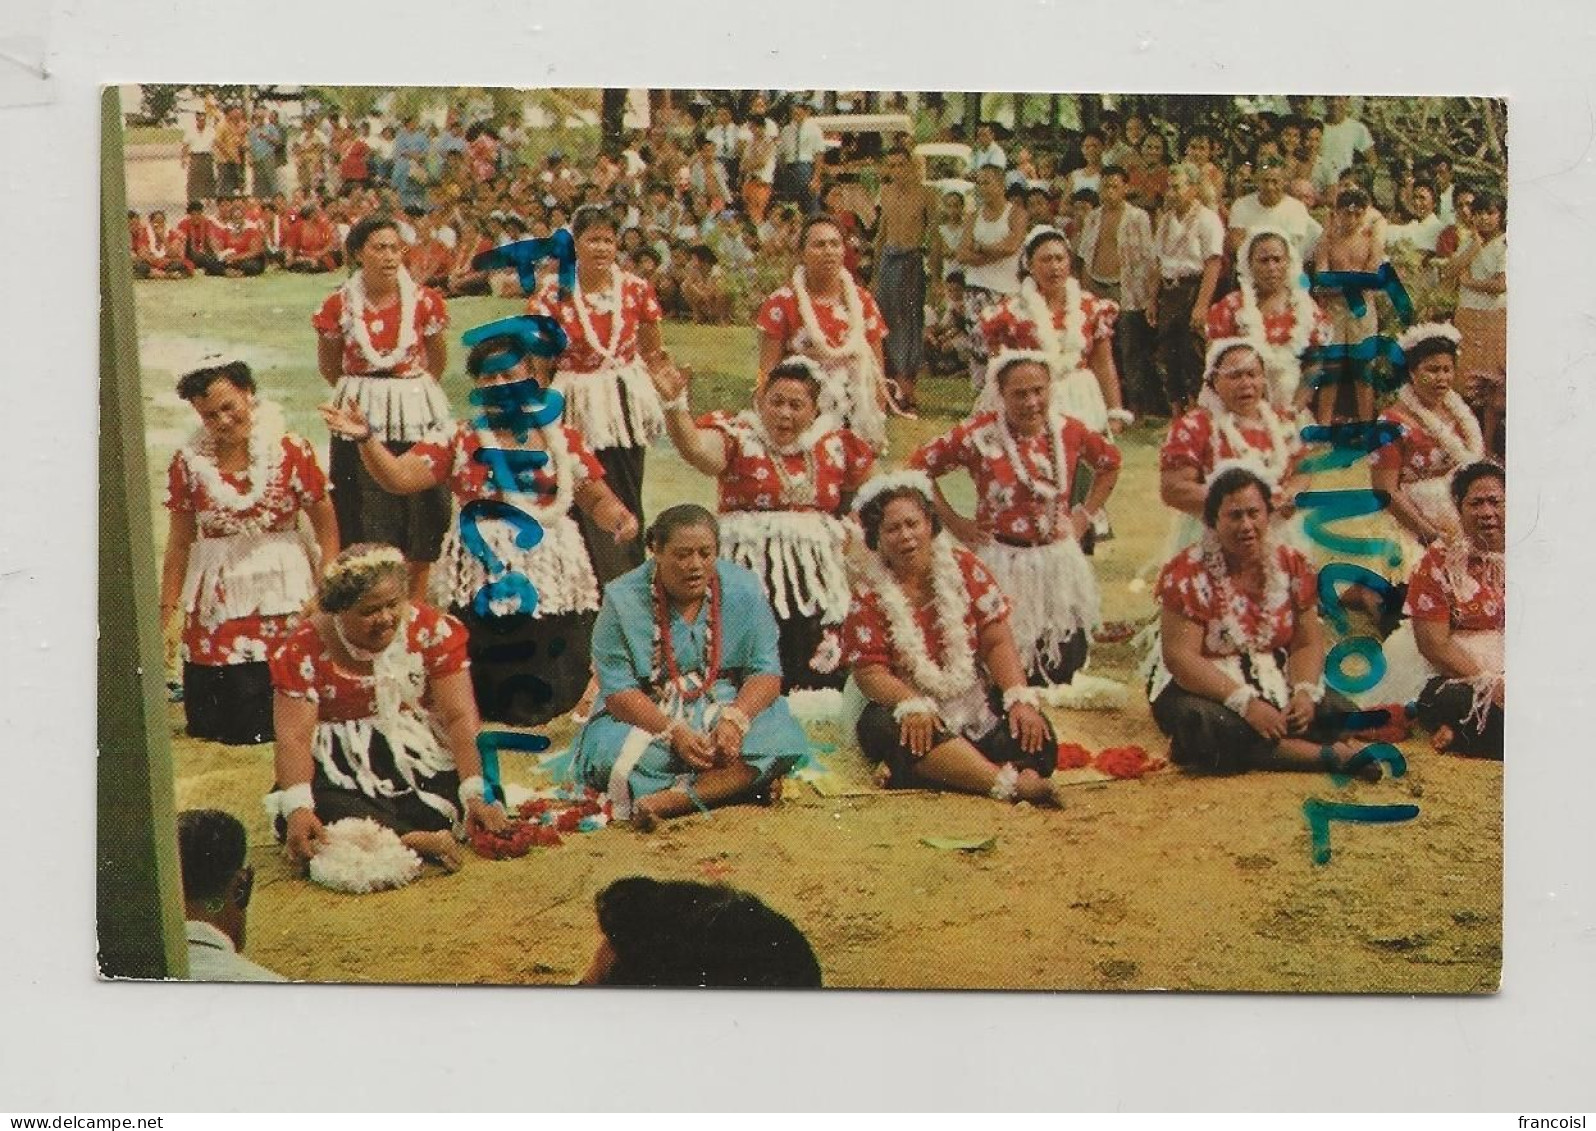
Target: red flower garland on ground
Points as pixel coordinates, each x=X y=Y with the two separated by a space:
x=1126 y=762
x=1073 y=756
x=539 y=822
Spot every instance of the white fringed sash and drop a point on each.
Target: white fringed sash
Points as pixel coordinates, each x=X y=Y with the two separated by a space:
x=558 y=566
x=415 y=750
x=400 y=409
x=593 y=404
x=1052 y=595
x=798 y=555
x=247 y=574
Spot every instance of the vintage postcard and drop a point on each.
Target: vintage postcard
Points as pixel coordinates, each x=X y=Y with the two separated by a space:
x=774 y=538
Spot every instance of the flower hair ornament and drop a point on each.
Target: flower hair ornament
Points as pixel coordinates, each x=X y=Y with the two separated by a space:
x=1036 y=237
x=1428 y=331
x=896 y=480
x=991 y=397
x=800 y=361
x=372 y=559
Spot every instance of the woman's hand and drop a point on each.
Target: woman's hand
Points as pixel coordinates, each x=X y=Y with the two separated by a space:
x=1080 y=523
x=916 y=732
x=621 y=523
x=1027 y=724
x=670 y=381
x=1266 y=719
x=1300 y=712
x=1199 y=320
x=966 y=530
x=305 y=837
x=483 y=817
x=346 y=420
x=727 y=740
x=693 y=747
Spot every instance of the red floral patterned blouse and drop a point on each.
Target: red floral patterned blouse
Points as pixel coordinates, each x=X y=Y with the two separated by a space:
x=779 y=318
x=1277 y=327
x=302 y=667
x=1009 y=324
x=865 y=636
x=639 y=307
x=1415 y=454
x=1007 y=506
x=1433 y=595
x=1188 y=587
x=296 y=482
x=450 y=454
x=842 y=461
x=1195 y=441
x=382 y=323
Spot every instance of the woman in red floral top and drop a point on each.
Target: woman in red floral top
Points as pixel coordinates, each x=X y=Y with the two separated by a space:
x=785 y=474
x=929 y=644
x=1024 y=457
x=380 y=344
x=1241 y=683
x=1272 y=309
x=364 y=687
x=235 y=565
x=1457 y=600
x=506 y=645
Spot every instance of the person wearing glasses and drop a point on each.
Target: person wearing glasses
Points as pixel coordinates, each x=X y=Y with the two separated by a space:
x=216 y=888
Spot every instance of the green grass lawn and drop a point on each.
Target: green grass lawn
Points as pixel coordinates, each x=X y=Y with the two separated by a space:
x=266 y=322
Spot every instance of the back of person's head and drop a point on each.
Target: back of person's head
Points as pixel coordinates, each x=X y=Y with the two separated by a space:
x=210 y=849
x=1352 y=198
x=685 y=933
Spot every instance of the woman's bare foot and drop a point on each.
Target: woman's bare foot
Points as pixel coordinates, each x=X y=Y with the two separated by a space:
x=440 y=847
x=1345 y=752
x=644 y=819
x=769 y=794
x=1033 y=787
x=584 y=706
x=881 y=776
x=1441 y=740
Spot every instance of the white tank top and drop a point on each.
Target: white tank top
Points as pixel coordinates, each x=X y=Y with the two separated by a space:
x=1003 y=277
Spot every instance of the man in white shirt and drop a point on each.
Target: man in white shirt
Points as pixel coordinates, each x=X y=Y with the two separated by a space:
x=1425 y=229
x=1441 y=176
x=1190 y=245
x=808 y=143
x=1270 y=205
x=216 y=888
x=199 y=140
x=729 y=139
x=987 y=150
x=1345 y=139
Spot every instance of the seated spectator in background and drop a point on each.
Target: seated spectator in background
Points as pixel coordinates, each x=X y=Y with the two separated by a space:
x=313 y=246
x=165 y=257
x=987 y=149
x=704 y=289
x=706 y=178
x=685 y=933
x=216 y=888
x=197 y=234
x=1090 y=174
x=852 y=228
x=476 y=237
x=240 y=243
x=947 y=337
x=139 y=241
x=428 y=260
x=1039 y=206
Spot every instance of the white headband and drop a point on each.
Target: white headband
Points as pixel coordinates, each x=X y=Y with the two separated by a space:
x=896 y=480
x=1425 y=331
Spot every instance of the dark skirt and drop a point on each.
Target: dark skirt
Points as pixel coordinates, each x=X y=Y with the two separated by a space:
x=528 y=670
x=878 y=738
x=229 y=703
x=416 y=523
x=1209 y=737
x=796 y=644
x=405 y=812
x=1071 y=660
x=623 y=474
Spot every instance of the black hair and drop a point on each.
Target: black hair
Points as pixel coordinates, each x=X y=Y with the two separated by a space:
x=1039 y=190
x=196 y=206
x=1028 y=248
x=796 y=371
x=686 y=933
x=814 y=221
x=355 y=241
x=132 y=214
x=679 y=517
x=1088 y=195
x=1489 y=200
x=161 y=212
x=955 y=277
x=648 y=251
x=592 y=216
x=1115 y=171
x=1098 y=134
x=1228 y=483
x=1428 y=348
x=873 y=512
x=1472 y=474
x=198 y=382
x=210 y=851
x=1352 y=198
x=341 y=588
x=489 y=348
x=1011 y=365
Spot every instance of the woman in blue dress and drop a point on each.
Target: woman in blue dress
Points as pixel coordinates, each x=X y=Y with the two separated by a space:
x=690 y=682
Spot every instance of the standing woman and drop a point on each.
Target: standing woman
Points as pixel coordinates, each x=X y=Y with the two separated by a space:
x=785 y=475
x=506 y=645
x=380 y=344
x=1480 y=271
x=827 y=317
x=236 y=565
x=1071 y=326
x=1272 y=308
x=612 y=320
x=1022 y=456
x=691 y=713
x=989 y=250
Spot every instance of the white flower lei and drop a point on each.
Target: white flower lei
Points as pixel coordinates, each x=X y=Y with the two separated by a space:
x=607 y=352
x=1456 y=562
x=803 y=488
x=1286 y=358
x=397 y=673
x=265 y=449
x=1232 y=603
x=1051 y=493
x=354 y=322
x=1064 y=353
x=1460 y=435
x=559 y=453
x=957 y=676
x=854 y=345
x=1272 y=463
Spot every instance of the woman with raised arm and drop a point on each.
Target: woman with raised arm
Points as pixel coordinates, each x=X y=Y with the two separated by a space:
x=380 y=344
x=526 y=669
x=930 y=647
x=690 y=709
x=827 y=317
x=236 y=564
x=366 y=687
x=785 y=475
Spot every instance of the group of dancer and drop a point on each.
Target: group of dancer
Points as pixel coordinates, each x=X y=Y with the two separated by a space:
x=370 y=619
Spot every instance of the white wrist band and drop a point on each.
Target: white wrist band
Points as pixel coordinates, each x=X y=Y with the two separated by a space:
x=678 y=403
x=285 y=801
x=1123 y=415
x=919 y=705
x=737 y=717
x=1314 y=691
x=473 y=789
x=1006 y=783
x=1239 y=699
x=1021 y=694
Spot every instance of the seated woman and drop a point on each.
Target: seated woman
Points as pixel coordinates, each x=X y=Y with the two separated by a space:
x=785 y=474
x=1023 y=457
x=506 y=645
x=1241 y=683
x=689 y=680
x=363 y=684
x=929 y=643
x=1457 y=600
